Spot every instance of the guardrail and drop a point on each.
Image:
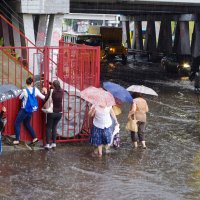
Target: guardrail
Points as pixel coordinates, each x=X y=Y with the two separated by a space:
x=137 y=51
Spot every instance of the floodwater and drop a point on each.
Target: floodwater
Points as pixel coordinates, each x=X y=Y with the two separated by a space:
x=168 y=169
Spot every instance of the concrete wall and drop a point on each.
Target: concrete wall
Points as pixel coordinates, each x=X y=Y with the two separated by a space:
x=42 y=6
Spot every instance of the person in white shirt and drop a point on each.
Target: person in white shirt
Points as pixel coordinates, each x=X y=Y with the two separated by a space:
x=102 y=126
x=23 y=115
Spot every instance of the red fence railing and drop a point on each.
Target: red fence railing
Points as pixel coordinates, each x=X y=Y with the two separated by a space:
x=76 y=67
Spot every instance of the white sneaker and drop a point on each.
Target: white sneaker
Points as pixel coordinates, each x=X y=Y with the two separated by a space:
x=53 y=145
x=47 y=146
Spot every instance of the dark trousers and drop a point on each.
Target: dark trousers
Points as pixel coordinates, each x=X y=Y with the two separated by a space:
x=24 y=117
x=52 y=121
x=140 y=134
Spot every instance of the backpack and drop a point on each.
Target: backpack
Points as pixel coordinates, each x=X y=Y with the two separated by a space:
x=32 y=103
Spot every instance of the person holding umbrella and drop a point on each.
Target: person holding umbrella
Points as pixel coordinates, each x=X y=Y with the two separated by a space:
x=101 y=131
x=101 y=112
x=139 y=108
x=121 y=96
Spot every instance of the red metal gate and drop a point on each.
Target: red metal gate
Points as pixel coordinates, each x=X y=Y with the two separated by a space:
x=75 y=66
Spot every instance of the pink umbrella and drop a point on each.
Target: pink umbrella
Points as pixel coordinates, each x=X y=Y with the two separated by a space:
x=98 y=96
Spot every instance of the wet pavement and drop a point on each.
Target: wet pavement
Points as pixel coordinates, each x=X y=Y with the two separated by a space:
x=168 y=169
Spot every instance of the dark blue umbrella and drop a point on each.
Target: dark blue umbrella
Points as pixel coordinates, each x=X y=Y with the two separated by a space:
x=9 y=91
x=118 y=92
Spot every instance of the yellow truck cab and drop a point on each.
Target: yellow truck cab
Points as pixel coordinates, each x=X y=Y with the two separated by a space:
x=111 y=42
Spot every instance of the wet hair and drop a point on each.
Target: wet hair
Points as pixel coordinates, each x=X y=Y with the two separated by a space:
x=29 y=80
x=56 y=84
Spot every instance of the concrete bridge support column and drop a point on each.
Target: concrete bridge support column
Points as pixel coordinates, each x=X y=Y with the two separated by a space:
x=6 y=39
x=54 y=34
x=1 y=32
x=16 y=34
x=137 y=42
x=29 y=28
x=54 y=30
x=165 y=37
x=41 y=30
x=126 y=34
x=182 y=39
x=150 y=40
x=29 y=33
x=195 y=47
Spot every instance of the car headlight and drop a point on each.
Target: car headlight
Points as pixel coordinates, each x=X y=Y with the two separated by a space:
x=112 y=50
x=186 y=65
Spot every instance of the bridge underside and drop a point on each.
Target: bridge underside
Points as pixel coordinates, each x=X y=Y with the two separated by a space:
x=45 y=29
x=132 y=7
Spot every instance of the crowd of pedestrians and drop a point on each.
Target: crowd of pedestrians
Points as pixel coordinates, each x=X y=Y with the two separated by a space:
x=102 y=127
x=104 y=121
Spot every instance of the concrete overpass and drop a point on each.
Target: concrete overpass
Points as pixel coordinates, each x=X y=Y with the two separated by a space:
x=42 y=19
x=133 y=7
x=165 y=11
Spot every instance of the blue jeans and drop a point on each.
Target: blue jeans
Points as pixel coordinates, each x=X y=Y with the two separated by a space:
x=24 y=117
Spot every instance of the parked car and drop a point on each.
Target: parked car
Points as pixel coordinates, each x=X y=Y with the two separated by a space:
x=177 y=64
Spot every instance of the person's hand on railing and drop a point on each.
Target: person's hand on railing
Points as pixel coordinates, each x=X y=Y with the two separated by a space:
x=3 y=109
x=44 y=90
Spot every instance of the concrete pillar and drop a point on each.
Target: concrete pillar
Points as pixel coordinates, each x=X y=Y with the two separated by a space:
x=165 y=37
x=176 y=38
x=54 y=32
x=182 y=39
x=29 y=33
x=137 y=42
x=126 y=34
x=1 y=34
x=16 y=34
x=6 y=38
x=49 y=30
x=1 y=29
x=41 y=30
x=150 y=38
x=195 y=47
x=29 y=28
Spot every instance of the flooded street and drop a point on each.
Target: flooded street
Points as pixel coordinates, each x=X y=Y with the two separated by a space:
x=168 y=169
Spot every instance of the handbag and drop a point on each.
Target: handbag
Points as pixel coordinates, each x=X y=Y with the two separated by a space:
x=48 y=106
x=132 y=124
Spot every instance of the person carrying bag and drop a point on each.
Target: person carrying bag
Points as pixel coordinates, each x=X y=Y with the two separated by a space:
x=132 y=124
x=48 y=106
x=137 y=120
x=56 y=94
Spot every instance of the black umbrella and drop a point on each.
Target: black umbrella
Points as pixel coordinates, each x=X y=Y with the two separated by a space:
x=9 y=91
